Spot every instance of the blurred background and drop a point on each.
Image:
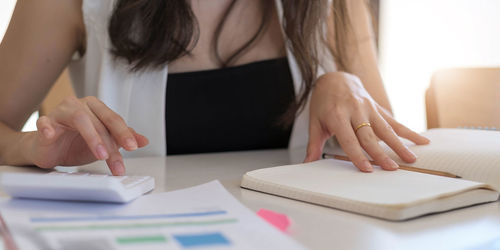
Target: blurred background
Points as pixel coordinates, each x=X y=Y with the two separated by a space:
x=416 y=39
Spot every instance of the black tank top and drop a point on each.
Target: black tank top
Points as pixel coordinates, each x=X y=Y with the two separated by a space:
x=236 y=108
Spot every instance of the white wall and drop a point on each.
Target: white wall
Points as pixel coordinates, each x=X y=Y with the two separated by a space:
x=6 y=8
x=419 y=37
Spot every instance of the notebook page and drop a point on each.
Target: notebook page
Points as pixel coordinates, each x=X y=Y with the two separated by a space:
x=472 y=154
x=340 y=180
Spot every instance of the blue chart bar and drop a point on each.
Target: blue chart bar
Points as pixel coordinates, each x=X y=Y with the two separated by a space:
x=201 y=240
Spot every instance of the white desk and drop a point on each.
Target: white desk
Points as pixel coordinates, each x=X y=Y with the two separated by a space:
x=314 y=226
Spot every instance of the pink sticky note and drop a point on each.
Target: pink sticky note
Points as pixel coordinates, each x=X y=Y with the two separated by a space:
x=278 y=220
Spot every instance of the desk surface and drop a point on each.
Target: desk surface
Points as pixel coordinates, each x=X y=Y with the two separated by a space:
x=315 y=226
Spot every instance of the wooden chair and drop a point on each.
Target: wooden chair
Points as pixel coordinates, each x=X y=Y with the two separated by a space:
x=464 y=97
x=60 y=90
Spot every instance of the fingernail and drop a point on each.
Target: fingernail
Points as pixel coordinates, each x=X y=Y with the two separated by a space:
x=118 y=168
x=101 y=152
x=422 y=141
x=131 y=144
x=366 y=166
x=411 y=155
x=390 y=163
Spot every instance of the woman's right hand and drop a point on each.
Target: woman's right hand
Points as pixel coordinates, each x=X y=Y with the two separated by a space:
x=80 y=131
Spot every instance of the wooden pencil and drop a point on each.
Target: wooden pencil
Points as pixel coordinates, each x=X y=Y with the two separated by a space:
x=408 y=168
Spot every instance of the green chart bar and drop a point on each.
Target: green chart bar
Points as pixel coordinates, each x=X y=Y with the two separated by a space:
x=141 y=239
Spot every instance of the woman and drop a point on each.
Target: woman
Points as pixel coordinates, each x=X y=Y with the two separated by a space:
x=125 y=51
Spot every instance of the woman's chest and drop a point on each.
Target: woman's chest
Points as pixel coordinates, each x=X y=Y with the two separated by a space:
x=244 y=30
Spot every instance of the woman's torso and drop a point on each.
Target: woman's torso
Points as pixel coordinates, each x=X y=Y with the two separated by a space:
x=99 y=74
x=242 y=23
x=239 y=107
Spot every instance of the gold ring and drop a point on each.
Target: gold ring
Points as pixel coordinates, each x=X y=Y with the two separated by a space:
x=362 y=125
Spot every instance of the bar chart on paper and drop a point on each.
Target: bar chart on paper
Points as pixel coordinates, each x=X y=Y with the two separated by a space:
x=204 y=217
x=157 y=231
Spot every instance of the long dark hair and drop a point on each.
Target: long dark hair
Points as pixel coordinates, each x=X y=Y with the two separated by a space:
x=152 y=33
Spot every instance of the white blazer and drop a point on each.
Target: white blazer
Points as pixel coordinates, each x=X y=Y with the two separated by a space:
x=140 y=97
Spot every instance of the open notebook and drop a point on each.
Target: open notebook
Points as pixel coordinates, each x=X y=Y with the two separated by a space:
x=471 y=154
x=396 y=195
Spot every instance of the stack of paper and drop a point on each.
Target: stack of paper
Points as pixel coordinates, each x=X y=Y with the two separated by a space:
x=205 y=216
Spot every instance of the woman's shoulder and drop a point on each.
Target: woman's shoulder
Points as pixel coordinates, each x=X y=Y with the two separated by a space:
x=66 y=12
x=49 y=21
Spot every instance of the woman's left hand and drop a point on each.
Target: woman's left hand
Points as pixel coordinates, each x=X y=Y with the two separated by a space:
x=339 y=104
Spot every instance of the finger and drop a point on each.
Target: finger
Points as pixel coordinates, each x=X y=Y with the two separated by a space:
x=114 y=124
x=115 y=162
x=81 y=121
x=107 y=138
x=350 y=144
x=142 y=140
x=403 y=131
x=385 y=132
x=48 y=132
x=316 y=142
x=45 y=128
x=369 y=142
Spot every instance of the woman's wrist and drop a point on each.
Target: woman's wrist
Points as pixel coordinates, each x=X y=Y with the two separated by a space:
x=17 y=149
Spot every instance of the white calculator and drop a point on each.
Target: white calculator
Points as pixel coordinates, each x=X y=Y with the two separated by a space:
x=76 y=186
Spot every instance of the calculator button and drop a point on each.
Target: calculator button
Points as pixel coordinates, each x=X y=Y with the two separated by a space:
x=118 y=178
x=132 y=181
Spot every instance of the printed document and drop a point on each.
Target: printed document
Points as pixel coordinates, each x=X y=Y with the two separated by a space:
x=204 y=216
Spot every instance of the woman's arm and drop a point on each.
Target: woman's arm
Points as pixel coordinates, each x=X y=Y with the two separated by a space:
x=362 y=52
x=354 y=106
x=40 y=41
